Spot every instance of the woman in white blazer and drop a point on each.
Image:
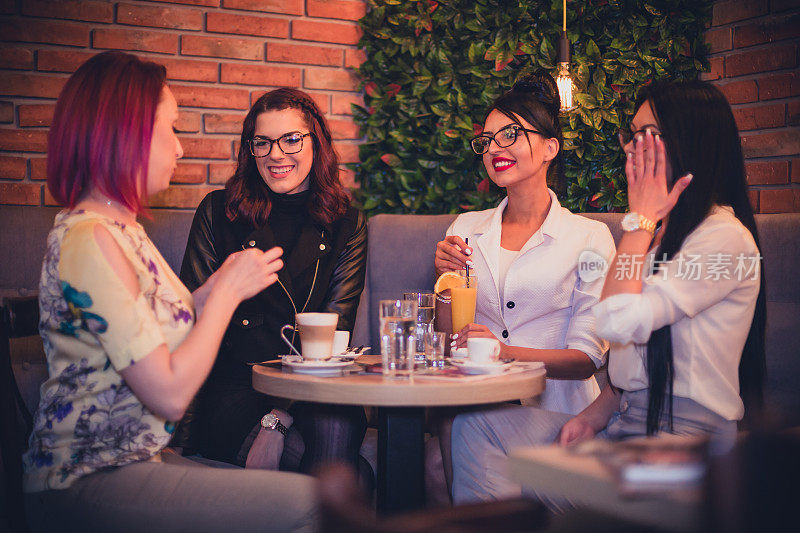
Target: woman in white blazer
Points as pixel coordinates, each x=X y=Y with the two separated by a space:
x=526 y=251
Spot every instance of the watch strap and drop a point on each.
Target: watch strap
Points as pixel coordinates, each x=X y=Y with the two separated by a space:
x=644 y=223
x=280 y=427
x=648 y=225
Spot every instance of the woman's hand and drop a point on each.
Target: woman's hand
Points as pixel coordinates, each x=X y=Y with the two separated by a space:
x=646 y=170
x=574 y=431
x=471 y=331
x=267 y=448
x=244 y=274
x=451 y=254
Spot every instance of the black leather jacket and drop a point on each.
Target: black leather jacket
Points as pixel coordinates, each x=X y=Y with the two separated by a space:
x=253 y=334
x=340 y=247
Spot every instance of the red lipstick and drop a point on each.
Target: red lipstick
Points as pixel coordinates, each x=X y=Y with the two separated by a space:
x=501 y=164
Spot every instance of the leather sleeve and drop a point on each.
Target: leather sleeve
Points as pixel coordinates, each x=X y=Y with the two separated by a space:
x=347 y=280
x=201 y=258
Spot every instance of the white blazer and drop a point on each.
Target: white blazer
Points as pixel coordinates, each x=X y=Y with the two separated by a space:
x=546 y=304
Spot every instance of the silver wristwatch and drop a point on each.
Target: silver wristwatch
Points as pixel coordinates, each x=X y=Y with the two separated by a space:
x=270 y=421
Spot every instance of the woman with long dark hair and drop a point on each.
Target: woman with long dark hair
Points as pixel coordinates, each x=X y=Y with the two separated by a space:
x=285 y=192
x=127 y=344
x=687 y=326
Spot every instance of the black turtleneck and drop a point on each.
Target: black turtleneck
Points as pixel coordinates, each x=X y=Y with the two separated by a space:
x=287 y=216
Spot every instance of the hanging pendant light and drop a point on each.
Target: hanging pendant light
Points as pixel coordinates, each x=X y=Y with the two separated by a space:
x=566 y=87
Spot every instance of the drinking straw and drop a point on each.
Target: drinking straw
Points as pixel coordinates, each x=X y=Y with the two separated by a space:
x=466 y=241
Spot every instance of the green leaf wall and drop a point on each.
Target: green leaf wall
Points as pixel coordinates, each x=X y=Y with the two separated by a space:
x=433 y=68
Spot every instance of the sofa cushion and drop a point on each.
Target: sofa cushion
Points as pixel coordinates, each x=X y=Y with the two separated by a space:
x=399 y=259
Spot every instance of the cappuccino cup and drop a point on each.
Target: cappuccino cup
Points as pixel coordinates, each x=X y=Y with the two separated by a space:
x=483 y=350
x=316 y=334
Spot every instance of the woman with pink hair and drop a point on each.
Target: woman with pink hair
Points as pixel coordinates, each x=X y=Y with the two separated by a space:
x=127 y=344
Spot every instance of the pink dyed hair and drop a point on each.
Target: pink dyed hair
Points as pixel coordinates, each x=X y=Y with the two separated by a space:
x=102 y=128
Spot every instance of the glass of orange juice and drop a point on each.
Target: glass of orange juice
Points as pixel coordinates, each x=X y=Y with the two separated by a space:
x=462 y=301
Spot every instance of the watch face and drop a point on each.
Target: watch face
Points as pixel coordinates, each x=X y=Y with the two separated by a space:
x=630 y=222
x=269 y=421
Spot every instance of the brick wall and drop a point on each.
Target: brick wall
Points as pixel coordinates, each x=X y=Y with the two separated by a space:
x=220 y=56
x=754 y=61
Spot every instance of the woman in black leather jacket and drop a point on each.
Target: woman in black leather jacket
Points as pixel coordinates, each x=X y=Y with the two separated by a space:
x=285 y=192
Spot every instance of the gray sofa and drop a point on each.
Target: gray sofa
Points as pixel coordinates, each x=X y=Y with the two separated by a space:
x=401 y=258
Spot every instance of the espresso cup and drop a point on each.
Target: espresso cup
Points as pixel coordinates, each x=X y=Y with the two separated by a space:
x=483 y=350
x=341 y=340
x=458 y=353
x=316 y=334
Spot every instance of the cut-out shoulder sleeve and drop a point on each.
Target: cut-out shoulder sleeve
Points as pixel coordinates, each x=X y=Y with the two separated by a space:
x=103 y=307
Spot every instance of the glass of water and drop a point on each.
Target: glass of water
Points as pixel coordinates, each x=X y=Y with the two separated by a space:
x=434 y=348
x=398 y=323
x=426 y=305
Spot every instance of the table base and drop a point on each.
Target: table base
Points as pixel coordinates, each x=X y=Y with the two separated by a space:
x=401 y=459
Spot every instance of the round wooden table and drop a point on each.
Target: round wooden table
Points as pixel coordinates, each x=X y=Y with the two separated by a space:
x=401 y=415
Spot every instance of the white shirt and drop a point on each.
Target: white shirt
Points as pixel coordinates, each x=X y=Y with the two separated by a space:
x=545 y=304
x=505 y=259
x=710 y=317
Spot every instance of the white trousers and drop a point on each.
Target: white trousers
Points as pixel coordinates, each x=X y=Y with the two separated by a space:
x=482 y=440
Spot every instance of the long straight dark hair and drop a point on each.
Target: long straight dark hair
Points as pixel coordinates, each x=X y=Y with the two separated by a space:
x=701 y=137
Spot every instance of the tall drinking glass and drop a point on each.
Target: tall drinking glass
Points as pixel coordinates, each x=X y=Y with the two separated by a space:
x=462 y=301
x=398 y=322
x=426 y=304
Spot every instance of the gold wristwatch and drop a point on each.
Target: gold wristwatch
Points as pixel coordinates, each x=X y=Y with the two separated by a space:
x=635 y=221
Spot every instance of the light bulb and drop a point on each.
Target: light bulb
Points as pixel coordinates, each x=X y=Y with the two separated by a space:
x=565 y=87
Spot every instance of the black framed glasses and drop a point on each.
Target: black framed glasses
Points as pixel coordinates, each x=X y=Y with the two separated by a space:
x=625 y=135
x=503 y=138
x=289 y=143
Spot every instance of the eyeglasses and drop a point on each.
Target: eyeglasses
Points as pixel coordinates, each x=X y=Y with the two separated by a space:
x=289 y=143
x=503 y=138
x=625 y=135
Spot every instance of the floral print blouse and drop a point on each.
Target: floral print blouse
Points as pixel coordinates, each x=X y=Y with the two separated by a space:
x=93 y=328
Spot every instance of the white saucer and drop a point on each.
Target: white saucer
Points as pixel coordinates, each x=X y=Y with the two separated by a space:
x=471 y=367
x=331 y=367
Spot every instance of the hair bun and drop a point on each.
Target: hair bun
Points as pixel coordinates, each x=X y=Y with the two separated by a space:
x=540 y=85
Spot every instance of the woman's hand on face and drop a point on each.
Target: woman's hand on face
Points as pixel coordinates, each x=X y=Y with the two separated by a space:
x=574 y=431
x=244 y=274
x=451 y=254
x=646 y=170
x=471 y=331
